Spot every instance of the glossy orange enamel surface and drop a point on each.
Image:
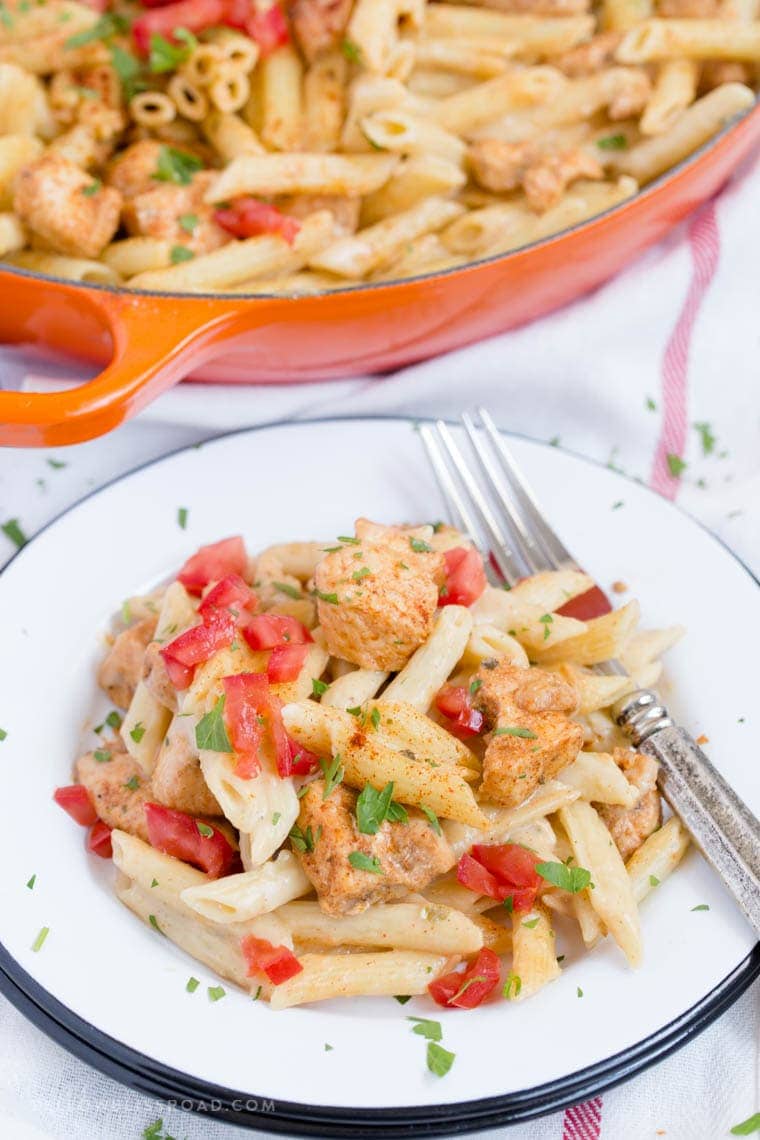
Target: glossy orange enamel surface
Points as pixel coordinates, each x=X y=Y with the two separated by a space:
x=152 y=341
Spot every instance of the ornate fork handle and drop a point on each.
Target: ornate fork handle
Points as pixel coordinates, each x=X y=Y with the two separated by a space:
x=721 y=824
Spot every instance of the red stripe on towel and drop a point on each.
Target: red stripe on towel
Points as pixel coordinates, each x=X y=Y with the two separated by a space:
x=704 y=245
x=583 y=1121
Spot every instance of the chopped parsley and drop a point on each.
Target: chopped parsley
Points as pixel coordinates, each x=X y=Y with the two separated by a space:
x=216 y=993
x=654 y=881
x=132 y=783
x=617 y=505
x=361 y=862
x=128 y=69
x=210 y=732
x=192 y=985
x=650 y=404
x=189 y=223
x=372 y=807
x=138 y=732
x=374 y=717
x=165 y=55
x=91 y=190
x=439 y=1060
x=318 y=687
x=423 y=1027
x=154 y=883
x=114 y=719
x=102 y=755
x=579 y=992
x=546 y=620
x=572 y=879
x=13 y=531
x=303 y=841
x=39 y=941
x=182 y=518
x=702 y=906
x=204 y=829
x=110 y=24
x=512 y=986
x=56 y=464
x=706 y=436
x=180 y=253
x=531 y=923
x=154 y=923
x=351 y=51
x=31 y=882
x=748 y=1126
x=276 y=817
x=333 y=773
x=323 y=597
x=515 y=730
x=509 y=904
x=3 y=734
x=420 y=547
x=328 y=1048
x=402 y=999
x=612 y=142
x=257 y=995
x=676 y=465
x=358 y=575
x=432 y=818
x=176 y=166
x=285 y=588
x=475 y=684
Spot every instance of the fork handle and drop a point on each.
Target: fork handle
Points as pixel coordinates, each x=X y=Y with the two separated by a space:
x=720 y=823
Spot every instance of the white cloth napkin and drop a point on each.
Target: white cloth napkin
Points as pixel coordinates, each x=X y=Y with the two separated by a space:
x=655 y=370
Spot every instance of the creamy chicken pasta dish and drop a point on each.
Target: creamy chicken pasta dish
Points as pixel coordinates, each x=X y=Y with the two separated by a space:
x=251 y=146
x=356 y=768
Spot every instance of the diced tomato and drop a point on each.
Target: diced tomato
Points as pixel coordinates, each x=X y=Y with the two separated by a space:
x=229 y=593
x=264 y=631
x=277 y=962
x=465 y=577
x=183 y=836
x=593 y=604
x=99 y=840
x=471 y=988
x=196 y=645
x=194 y=15
x=300 y=762
x=455 y=703
x=286 y=662
x=501 y=871
x=211 y=563
x=75 y=800
x=246 y=702
x=268 y=28
x=248 y=217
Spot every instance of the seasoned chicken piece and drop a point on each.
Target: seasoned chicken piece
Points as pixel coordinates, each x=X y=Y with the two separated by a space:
x=588 y=58
x=318 y=24
x=65 y=208
x=132 y=172
x=121 y=668
x=177 y=214
x=499 y=166
x=156 y=678
x=545 y=182
x=689 y=9
x=629 y=827
x=343 y=208
x=533 y=736
x=631 y=94
x=378 y=596
x=409 y=854
x=118 y=788
x=177 y=778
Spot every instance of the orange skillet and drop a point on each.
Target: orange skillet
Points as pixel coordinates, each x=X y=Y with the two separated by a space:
x=151 y=340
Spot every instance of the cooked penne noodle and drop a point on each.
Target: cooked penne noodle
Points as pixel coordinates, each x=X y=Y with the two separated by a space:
x=620 y=15
x=324 y=102
x=534 y=954
x=603 y=639
x=400 y=926
x=657 y=857
x=599 y=780
x=462 y=112
x=230 y=135
x=354 y=688
x=144 y=727
x=388 y=972
x=690 y=39
x=373 y=29
x=237 y=898
x=302 y=174
x=281 y=99
x=12 y=236
x=431 y=664
x=674 y=90
x=263 y=807
x=503 y=822
x=403 y=726
x=71 y=268
x=415 y=178
x=397 y=130
x=479 y=57
x=130 y=256
x=534 y=35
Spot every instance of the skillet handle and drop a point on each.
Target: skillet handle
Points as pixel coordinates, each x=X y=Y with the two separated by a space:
x=144 y=364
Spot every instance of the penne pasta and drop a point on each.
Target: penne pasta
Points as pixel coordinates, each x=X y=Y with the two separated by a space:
x=398 y=926
x=389 y=972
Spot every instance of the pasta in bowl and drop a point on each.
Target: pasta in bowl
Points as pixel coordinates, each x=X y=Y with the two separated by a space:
x=243 y=146
x=356 y=768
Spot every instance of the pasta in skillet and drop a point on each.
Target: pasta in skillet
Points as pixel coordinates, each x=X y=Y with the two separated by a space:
x=263 y=147
x=359 y=769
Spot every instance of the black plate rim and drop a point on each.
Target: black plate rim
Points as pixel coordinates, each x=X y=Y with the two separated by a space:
x=135 y=1070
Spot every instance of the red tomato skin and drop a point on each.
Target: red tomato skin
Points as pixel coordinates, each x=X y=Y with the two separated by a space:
x=300 y=761
x=211 y=563
x=465 y=576
x=265 y=631
x=99 y=840
x=231 y=592
x=286 y=662
x=277 y=962
x=448 y=991
x=246 y=699
x=269 y=29
x=177 y=834
x=248 y=217
x=180 y=675
x=196 y=645
x=593 y=604
x=476 y=878
x=454 y=702
x=509 y=862
x=74 y=800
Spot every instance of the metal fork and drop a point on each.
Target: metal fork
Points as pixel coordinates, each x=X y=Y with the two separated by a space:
x=491 y=501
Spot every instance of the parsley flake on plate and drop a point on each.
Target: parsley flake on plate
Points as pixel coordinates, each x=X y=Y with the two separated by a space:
x=13 y=531
x=402 y=999
x=748 y=1126
x=182 y=514
x=424 y=1027
x=154 y=923
x=3 y=734
x=706 y=436
x=676 y=465
x=702 y=906
x=31 y=882
x=39 y=941
x=512 y=986
x=216 y=993
x=192 y=985
x=114 y=719
x=439 y=1060
x=654 y=881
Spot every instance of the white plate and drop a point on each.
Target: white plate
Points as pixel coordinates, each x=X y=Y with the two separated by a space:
x=101 y=972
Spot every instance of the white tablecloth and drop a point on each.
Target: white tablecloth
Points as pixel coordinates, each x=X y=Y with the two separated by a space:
x=657 y=367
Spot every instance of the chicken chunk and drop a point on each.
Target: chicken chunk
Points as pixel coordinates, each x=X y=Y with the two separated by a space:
x=133 y=171
x=630 y=95
x=629 y=827
x=344 y=208
x=65 y=208
x=588 y=58
x=318 y=24
x=177 y=214
x=177 y=778
x=409 y=854
x=122 y=666
x=499 y=166
x=378 y=596
x=546 y=181
x=533 y=736
x=118 y=788
x=156 y=677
